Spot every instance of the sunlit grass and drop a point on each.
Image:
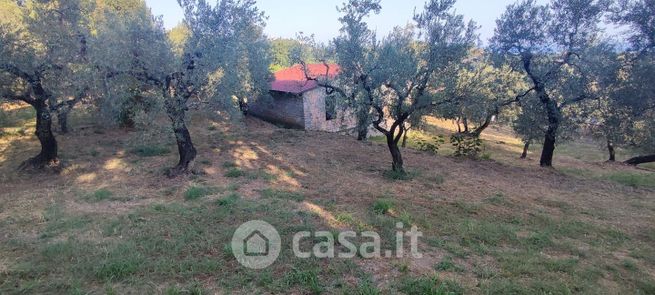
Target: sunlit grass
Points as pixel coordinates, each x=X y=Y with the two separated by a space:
x=17 y=116
x=634 y=179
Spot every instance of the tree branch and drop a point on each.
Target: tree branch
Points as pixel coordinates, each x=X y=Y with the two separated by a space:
x=72 y=102
x=21 y=97
x=517 y=98
x=320 y=83
x=578 y=99
x=16 y=72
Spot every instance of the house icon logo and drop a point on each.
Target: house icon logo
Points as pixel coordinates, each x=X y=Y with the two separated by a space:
x=256 y=244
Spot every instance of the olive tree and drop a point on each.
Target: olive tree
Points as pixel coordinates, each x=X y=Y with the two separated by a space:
x=398 y=76
x=222 y=58
x=639 y=16
x=549 y=43
x=355 y=51
x=628 y=112
x=127 y=40
x=43 y=62
x=635 y=94
x=604 y=117
x=304 y=48
x=530 y=123
x=480 y=92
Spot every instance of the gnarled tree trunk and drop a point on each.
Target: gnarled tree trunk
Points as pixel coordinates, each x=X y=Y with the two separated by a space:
x=62 y=119
x=526 y=149
x=362 y=124
x=185 y=146
x=396 y=155
x=487 y=122
x=48 y=155
x=641 y=160
x=393 y=139
x=64 y=108
x=552 y=110
x=362 y=134
x=551 y=133
x=404 y=145
x=611 y=150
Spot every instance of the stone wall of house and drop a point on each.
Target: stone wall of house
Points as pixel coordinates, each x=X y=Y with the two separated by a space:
x=283 y=108
x=315 y=117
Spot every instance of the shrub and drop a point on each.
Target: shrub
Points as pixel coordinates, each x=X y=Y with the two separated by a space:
x=430 y=145
x=466 y=145
x=382 y=206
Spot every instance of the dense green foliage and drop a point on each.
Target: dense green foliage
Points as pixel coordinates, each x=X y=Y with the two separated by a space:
x=288 y=52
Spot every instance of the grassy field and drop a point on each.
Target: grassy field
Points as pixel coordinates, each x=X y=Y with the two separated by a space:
x=111 y=223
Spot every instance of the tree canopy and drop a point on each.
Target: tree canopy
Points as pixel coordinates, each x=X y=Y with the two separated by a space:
x=549 y=70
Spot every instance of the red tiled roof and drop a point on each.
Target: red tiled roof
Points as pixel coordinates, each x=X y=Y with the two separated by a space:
x=293 y=80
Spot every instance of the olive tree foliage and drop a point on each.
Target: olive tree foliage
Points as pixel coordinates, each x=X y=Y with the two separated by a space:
x=44 y=63
x=480 y=92
x=604 y=117
x=11 y=24
x=549 y=43
x=639 y=16
x=637 y=97
x=281 y=52
x=531 y=122
x=286 y=53
x=245 y=62
x=223 y=59
x=178 y=37
x=355 y=51
x=128 y=39
x=634 y=96
x=396 y=78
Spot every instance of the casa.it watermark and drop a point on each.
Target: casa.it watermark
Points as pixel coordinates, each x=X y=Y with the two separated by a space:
x=257 y=244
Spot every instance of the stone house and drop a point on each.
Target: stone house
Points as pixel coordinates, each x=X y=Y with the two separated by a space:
x=296 y=102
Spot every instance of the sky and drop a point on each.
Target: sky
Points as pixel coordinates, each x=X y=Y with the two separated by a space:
x=320 y=17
